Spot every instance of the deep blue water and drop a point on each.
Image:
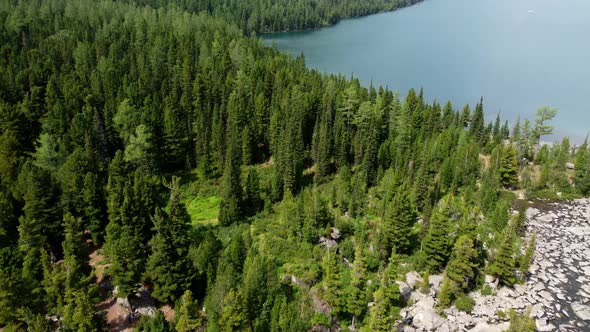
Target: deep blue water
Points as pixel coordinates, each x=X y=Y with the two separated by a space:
x=517 y=54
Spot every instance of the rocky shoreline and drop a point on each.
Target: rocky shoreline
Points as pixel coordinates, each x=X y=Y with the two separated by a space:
x=557 y=290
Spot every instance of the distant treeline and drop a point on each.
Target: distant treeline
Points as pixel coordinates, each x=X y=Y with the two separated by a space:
x=282 y=15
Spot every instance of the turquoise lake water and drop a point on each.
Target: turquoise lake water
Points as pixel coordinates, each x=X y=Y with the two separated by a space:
x=518 y=55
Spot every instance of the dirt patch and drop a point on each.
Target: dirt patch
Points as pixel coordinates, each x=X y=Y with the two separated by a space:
x=97 y=263
x=116 y=315
x=168 y=312
x=486 y=160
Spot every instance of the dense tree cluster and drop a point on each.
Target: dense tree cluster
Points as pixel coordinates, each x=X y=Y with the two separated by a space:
x=282 y=15
x=115 y=116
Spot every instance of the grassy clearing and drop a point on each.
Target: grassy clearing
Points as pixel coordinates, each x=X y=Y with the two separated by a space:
x=203 y=210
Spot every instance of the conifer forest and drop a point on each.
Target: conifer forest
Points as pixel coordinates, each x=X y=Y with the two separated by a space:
x=161 y=169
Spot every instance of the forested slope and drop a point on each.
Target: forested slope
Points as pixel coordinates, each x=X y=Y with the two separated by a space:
x=282 y=15
x=112 y=116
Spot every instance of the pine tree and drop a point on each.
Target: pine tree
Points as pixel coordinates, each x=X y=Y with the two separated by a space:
x=503 y=265
x=231 y=208
x=526 y=260
x=460 y=272
x=332 y=282
x=356 y=300
x=399 y=220
x=252 y=201
x=75 y=252
x=168 y=266
x=509 y=168
x=582 y=172
x=233 y=316
x=436 y=243
x=187 y=316
x=477 y=127
x=387 y=299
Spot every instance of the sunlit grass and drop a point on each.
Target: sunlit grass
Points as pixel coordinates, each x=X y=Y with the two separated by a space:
x=203 y=210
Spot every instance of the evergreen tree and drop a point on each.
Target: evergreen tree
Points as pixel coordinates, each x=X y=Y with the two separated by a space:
x=503 y=265
x=356 y=300
x=460 y=272
x=168 y=266
x=544 y=114
x=582 y=172
x=233 y=316
x=332 y=282
x=509 y=168
x=187 y=317
x=387 y=299
x=231 y=209
x=477 y=127
x=436 y=243
x=399 y=220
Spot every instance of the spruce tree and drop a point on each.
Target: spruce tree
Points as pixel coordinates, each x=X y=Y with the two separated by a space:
x=399 y=220
x=460 y=272
x=436 y=243
x=509 y=168
x=187 y=316
x=477 y=126
x=231 y=208
x=332 y=282
x=168 y=266
x=356 y=300
x=582 y=172
x=387 y=299
x=503 y=265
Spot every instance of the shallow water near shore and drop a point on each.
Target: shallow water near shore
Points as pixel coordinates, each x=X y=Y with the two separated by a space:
x=518 y=55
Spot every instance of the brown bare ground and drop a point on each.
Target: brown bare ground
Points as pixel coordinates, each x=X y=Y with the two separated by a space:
x=96 y=261
x=485 y=160
x=116 y=316
x=168 y=312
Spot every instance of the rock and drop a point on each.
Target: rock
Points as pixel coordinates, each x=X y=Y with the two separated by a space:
x=581 y=310
x=489 y=279
x=328 y=243
x=335 y=233
x=413 y=278
x=408 y=328
x=485 y=327
x=546 y=295
x=124 y=302
x=435 y=281
x=571 y=166
x=404 y=289
x=427 y=319
x=542 y=326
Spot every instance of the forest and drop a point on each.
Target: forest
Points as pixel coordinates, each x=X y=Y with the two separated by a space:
x=164 y=150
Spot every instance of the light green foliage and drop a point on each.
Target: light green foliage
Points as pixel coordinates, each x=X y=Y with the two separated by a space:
x=465 y=303
x=526 y=260
x=521 y=322
x=186 y=315
x=544 y=114
x=233 y=316
x=204 y=210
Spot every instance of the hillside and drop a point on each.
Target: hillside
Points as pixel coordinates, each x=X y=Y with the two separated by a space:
x=160 y=169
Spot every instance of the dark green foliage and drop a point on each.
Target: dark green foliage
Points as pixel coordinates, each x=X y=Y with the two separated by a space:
x=102 y=102
x=436 y=244
x=157 y=323
x=509 y=168
x=582 y=172
x=503 y=265
x=398 y=222
x=168 y=266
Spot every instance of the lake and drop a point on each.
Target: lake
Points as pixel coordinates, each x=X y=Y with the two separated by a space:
x=518 y=55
